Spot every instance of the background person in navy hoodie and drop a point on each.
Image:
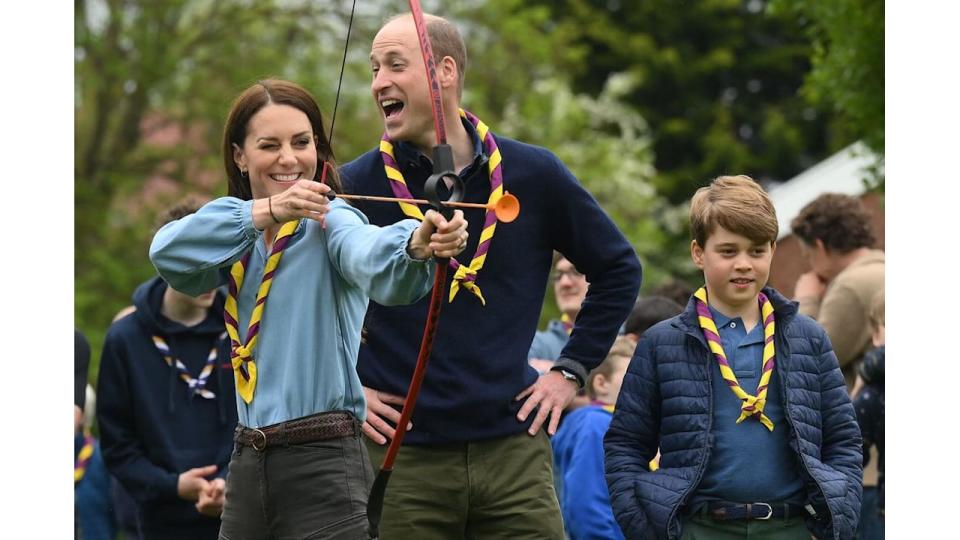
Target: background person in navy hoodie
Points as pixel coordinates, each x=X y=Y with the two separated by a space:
x=476 y=427
x=166 y=443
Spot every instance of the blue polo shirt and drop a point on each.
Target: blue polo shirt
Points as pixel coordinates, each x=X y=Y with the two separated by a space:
x=748 y=463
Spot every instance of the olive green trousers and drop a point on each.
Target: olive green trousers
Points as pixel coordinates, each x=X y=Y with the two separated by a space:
x=498 y=488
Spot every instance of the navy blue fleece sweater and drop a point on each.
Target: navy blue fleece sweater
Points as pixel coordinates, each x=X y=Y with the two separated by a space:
x=479 y=361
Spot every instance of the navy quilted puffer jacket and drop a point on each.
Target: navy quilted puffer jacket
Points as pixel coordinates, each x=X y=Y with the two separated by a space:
x=666 y=401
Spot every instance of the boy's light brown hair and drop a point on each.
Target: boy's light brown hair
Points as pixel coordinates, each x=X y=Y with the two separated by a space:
x=736 y=203
x=877 y=318
x=621 y=351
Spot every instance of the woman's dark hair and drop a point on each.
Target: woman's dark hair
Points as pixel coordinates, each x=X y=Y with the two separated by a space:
x=247 y=104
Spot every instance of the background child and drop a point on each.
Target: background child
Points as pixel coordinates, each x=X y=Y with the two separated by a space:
x=647 y=312
x=742 y=394
x=93 y=516
x=578 y=451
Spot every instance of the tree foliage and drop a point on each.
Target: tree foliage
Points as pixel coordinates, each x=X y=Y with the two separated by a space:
x=717 y=80
x=848 y=62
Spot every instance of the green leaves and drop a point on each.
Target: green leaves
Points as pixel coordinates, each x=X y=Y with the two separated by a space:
x=848 y=63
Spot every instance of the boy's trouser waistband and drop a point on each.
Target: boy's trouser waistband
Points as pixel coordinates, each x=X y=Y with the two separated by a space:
x=723 y=510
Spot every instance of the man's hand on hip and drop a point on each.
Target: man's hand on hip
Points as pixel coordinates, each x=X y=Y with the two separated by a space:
x=551 y=392
x=382 y=419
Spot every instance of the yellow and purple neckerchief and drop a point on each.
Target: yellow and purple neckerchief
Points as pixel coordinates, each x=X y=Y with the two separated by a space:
x=83 y=458
x=244 y=367
x=465 y=276
x=198 y=385
x=752 y=405
x=567 y=323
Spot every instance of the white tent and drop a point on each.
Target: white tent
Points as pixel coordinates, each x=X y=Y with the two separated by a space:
x=843 y=172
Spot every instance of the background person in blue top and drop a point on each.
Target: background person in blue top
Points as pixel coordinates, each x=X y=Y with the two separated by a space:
x=569 y=289
x=167 y=444
x=724 y=467
x=476 y=427
x=578 y=451
x=298 y=469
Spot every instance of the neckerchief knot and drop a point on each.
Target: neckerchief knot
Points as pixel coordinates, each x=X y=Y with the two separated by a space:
x=198 y=385
x=752 y=406
x=465 y=277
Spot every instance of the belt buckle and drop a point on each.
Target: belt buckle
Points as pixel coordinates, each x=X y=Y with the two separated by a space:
x=253 y=442
x=769 y=510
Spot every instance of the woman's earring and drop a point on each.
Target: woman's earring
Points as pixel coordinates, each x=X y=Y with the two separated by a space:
x=243 y=173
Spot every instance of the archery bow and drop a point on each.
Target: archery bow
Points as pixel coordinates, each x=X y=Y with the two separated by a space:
x=443 y=169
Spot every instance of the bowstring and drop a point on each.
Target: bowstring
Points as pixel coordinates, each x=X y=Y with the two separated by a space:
x=343 y=65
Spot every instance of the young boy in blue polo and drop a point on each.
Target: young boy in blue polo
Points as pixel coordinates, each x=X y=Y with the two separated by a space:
x=743 y=396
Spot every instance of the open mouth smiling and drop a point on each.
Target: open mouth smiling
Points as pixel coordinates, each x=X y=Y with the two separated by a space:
x=391 y=107
x=285 y=178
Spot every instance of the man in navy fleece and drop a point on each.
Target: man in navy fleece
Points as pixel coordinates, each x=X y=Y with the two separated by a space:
x=476 y=428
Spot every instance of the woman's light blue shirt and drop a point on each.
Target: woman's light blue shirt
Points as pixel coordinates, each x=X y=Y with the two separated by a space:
x=306 y=354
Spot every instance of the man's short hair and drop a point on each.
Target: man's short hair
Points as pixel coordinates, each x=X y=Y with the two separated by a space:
x=877 y=310
x=839 y=221
x=648 y=312
x=622 y=350
x=736 y=203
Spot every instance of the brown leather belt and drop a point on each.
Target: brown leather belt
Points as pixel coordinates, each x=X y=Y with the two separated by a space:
x=317 y=427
